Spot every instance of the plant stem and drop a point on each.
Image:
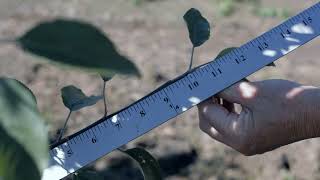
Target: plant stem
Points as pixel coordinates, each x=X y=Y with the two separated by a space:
x=8 y=40
x=64 y=126
x=191 y=59
x=104 y=99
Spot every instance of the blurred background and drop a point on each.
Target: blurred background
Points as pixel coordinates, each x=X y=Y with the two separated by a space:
x=153 y=34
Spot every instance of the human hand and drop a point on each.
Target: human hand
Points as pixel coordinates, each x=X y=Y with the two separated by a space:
x=274 y=113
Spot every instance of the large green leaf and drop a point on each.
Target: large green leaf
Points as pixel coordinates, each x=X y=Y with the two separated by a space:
x=26 y=88
x=74 y=99
x=15 y=162
x=23 y=134
x=78 y=44
x=149 y=165
x=198 y=26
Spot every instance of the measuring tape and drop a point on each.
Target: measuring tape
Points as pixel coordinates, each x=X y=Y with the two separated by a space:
x=179 y=95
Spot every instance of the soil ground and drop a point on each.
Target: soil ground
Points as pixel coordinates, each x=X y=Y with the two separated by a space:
x=154 y=36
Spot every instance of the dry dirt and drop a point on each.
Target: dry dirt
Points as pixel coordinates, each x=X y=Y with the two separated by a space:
x=154 y=36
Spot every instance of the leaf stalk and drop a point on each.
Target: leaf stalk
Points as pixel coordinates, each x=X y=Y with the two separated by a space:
x=104 y=99
x=8 y=40
x=191 y=58
x=64 y=127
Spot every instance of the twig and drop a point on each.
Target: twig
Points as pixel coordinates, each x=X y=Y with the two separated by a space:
x=191 y=59
x=64 y=126
x=8 y=40
x=105 y=99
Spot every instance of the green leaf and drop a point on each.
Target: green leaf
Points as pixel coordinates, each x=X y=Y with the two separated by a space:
x=15 y=162
x=149 y=165
x=105 y=78
x=27 y=89
x=74 y=99
x=23 y=134
x=225 y=51
x=77 y=44
x=198 y=26
x=272 y=64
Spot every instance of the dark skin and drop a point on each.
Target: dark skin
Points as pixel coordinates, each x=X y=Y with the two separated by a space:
x=274 y=113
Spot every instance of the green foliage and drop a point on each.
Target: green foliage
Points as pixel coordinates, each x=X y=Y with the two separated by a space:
x=28 y=91
x=140 y=2
x=149 y=165
x=74 y=99
x=198 y=26
x=106 y=78
x=272 y=12
x=77 y=44
x=199 y=29
x=226 y=7
x=15 y=162
x=23 y=135
x=225 y=51
x=137 y=2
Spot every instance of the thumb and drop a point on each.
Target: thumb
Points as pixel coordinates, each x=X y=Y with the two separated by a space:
x=241 y=92
x=217 y=116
